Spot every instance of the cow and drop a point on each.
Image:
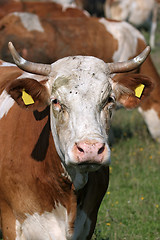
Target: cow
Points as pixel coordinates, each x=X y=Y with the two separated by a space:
x=104 y=39
x=30 y=33
x=93 y=7
x=45 y=10
x=54 y=155
x=140 y=13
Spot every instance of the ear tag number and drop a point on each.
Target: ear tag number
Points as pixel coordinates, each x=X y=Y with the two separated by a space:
x=27 y=99
x=139 y=90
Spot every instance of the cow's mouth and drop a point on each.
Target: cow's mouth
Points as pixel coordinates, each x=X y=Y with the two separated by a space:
x=89 y=166
x=88 y=163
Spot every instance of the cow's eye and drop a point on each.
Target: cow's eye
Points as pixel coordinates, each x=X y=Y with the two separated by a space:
x=109 y=105
x=111 y=99
x=55 y=101
x=56 y=104
x=108 y=102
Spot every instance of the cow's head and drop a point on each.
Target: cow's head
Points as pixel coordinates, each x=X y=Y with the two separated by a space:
x=82 y=93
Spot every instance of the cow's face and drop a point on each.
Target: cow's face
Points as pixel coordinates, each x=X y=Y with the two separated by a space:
x=82 y=92
x=82 y=102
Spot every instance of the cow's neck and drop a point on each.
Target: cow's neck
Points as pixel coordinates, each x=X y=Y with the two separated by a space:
x=79 y=179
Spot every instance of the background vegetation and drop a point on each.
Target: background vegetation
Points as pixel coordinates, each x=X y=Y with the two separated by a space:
x=131 y=207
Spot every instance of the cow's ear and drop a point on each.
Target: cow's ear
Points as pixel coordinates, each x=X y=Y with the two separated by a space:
x=29 y=93
x=132 y=89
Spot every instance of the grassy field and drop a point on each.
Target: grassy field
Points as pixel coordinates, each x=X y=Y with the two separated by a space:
x=131 y=207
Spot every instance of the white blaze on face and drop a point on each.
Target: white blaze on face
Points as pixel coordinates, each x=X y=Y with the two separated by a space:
x=80 y=111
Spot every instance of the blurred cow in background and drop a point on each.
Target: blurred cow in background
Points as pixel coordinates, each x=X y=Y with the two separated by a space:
x=140 y=13
x=93 y=7
x=47 y=10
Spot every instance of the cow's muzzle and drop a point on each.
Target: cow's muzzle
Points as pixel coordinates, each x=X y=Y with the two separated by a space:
x=90 y=152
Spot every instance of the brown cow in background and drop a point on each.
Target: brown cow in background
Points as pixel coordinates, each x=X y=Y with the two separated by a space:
x=140 y=13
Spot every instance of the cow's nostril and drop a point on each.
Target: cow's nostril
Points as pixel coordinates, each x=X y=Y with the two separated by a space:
x=80 y=149
x=101 y=149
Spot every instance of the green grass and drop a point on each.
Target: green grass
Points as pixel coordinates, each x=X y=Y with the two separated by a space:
x=131 y=207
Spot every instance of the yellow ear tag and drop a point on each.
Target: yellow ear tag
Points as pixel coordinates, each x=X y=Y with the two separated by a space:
x=27 y=99
x=139 y=90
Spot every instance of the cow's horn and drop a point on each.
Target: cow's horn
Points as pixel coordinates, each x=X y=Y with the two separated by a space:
x=37 y=68
x=129 y=65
